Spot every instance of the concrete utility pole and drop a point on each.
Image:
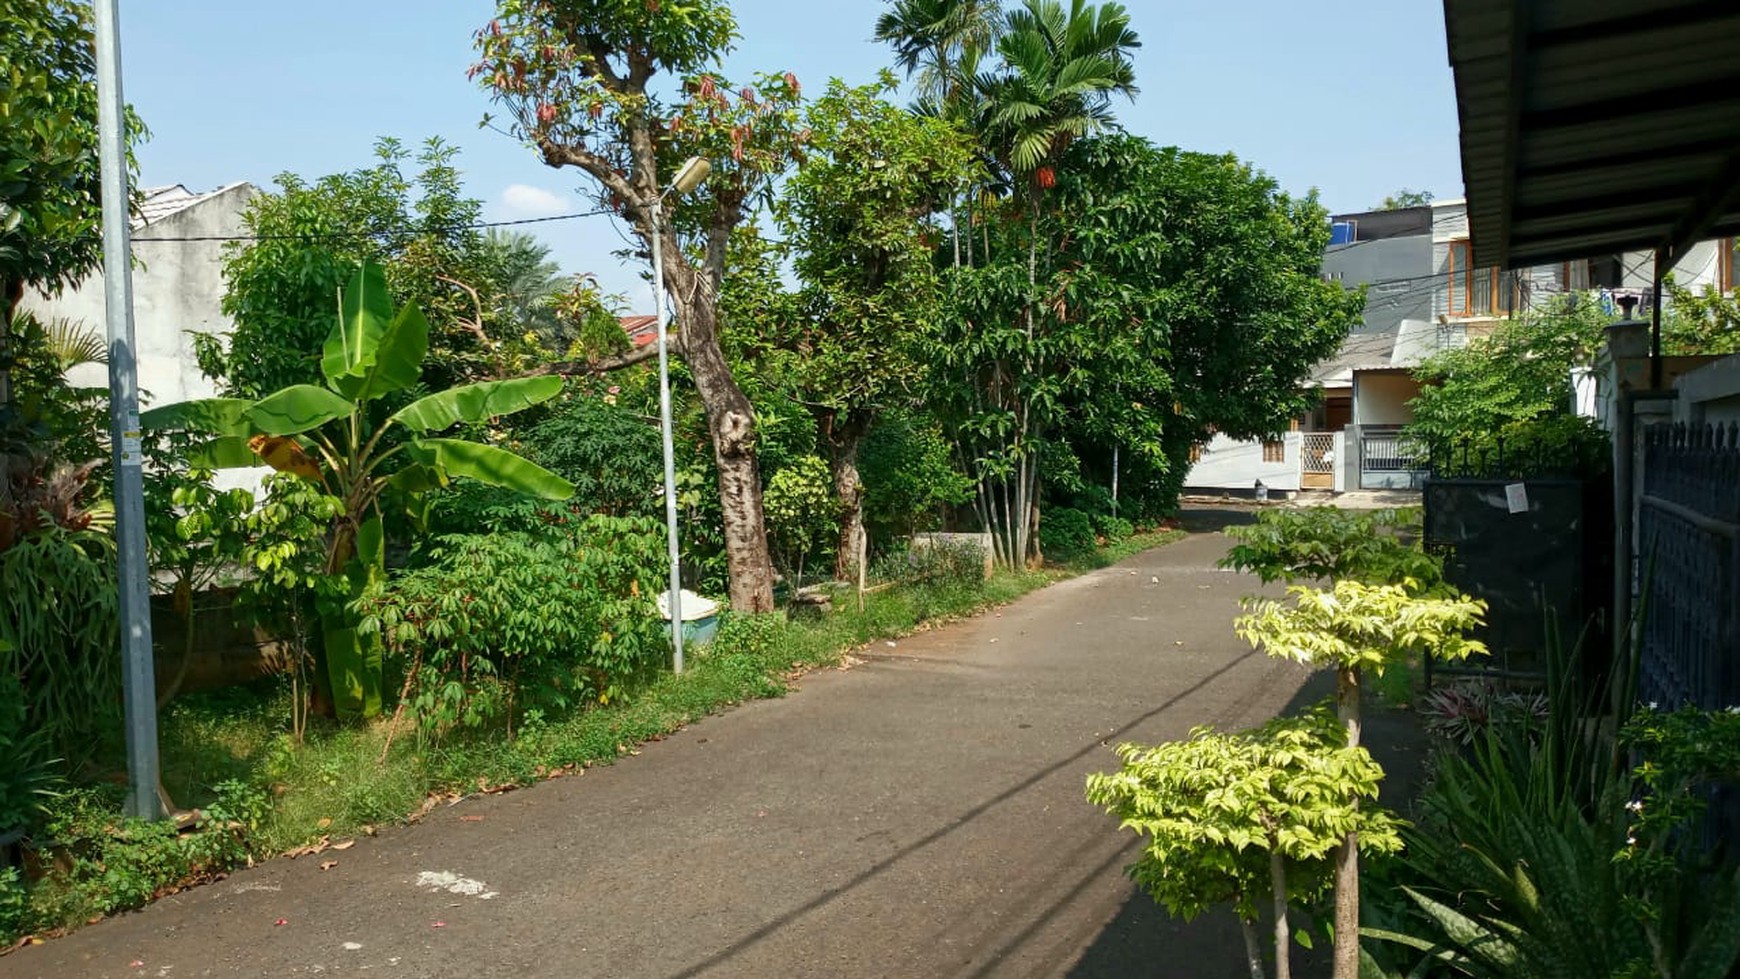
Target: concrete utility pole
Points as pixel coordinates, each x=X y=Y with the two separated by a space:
x=132 y=573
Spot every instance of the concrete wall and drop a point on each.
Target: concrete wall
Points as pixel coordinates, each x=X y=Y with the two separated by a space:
x=1381 y=397
x=178 y=289
x=1230 y=464
x=1710 y=393
x=1394 y=269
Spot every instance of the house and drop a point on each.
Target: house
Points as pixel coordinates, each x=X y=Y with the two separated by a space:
x=1424 y=293
x=1590 y=128
x=178 y=288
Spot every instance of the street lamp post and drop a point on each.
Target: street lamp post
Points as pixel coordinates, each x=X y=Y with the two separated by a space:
x=687 y=179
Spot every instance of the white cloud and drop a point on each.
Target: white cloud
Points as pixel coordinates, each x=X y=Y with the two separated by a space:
x=526 y=201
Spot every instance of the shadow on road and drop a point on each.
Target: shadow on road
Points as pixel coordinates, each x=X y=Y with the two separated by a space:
x=1144 y=941
x=1214 y=519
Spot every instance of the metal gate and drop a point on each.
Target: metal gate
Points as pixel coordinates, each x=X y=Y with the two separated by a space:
x=1317 y=461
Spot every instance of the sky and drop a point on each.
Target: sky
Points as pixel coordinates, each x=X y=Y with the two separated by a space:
x=1352 y=98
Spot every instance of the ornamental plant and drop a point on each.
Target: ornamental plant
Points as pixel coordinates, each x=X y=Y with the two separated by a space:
x=1352 y=628
x=1246 y=818
x=346 y=439
x=1330 y=543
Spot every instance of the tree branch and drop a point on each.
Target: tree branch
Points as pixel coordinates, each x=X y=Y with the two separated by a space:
x=570 y=368
x=569 y=155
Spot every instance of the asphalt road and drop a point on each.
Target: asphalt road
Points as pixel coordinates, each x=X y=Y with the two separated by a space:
x=919 y=814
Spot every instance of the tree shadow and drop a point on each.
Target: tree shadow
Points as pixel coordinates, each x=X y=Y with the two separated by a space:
x=1144 y=941
x=1214 y=519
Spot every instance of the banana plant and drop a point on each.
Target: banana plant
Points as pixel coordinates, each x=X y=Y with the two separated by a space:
x=334 y=437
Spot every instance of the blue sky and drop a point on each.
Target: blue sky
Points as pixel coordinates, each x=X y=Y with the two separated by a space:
x=1352 y=97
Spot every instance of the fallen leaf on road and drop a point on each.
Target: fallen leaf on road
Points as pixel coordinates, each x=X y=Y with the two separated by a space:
x=439 y=924
x=136 y=964
x=993 y=638
x=471 y=819
x=1177 y=642
x=343 y=845
x=328 y=864
x=317 y=846
x=1155 y=580
x=282 y=921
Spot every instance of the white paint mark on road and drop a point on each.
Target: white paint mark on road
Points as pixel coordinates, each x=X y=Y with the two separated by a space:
x=247 y=886
x=452 y=883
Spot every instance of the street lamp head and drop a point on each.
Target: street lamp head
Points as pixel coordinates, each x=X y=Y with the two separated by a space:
x=691 y=175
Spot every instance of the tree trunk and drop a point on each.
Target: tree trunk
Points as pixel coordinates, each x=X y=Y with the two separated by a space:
x=843 y=433
x=10 y=294
x=1347 y=858
x=1253 y=947
x=731 y=423
x=1283 y=940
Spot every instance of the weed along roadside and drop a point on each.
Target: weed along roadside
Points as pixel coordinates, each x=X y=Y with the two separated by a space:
x=270 y=797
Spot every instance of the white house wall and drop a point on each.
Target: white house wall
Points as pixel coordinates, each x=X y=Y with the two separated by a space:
x=178 y=289
x=1382 y=399
x=1230 y=464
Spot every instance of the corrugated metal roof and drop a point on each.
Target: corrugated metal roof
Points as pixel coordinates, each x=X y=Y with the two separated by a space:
x=157 y=203
x=1592 y=126
x=641 y=330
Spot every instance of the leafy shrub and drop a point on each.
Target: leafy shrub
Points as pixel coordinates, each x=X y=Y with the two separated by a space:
x=28 y=777
x=941 y=563
x=506 y=622
x=1112 y=528
x=1376 y=547
x=59 y=629
x=909 y=476
x=611 y=455
x=103 y=864
x=1065 y=532
x=1460 y=712
x=801 y=511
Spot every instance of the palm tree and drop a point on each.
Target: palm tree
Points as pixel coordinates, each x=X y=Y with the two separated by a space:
x=933 y=39
x=1060 y=69
x=523 y=281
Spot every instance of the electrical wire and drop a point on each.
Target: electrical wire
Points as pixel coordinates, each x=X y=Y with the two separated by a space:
x=387 y=233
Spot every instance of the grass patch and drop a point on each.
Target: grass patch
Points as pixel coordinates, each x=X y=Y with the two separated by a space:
x=232 y=750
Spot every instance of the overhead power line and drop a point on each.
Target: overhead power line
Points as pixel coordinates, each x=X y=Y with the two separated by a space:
x=405 y=232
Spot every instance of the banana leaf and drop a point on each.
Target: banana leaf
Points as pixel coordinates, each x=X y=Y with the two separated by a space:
x=398 y=358
x=226 y=452
x=297 y=409
x=216 y=416
x=353 y=664
x=488 y=464
x=365 y=309
x=476 y=402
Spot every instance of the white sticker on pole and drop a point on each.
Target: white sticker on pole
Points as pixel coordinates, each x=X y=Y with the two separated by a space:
x=131 y=451
x=1516 y=496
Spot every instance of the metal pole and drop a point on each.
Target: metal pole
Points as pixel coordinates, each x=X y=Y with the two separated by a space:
x=131 y=571
x=676 y=593
x=1655 y=373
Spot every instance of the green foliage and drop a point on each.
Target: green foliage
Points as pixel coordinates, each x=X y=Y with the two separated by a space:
x=59 y=629
x=31 y=774
x=1406 y=198
x=946 y=564
x=105 y=863
x=1515 y=872
x=610 y=454
x=504 y=623
x=47 y=419
x=910 y=478
x=1064 y=532
x=1214 y=809
x=50 y=184
x=331 y=437
x=801 y=515
x=312 y=237
x=1519 y=373
x=1358 y=626
x=1113 y=529
x=1329 y=544
x=1702 y=321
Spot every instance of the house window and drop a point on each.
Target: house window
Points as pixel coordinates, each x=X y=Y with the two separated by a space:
x=1476 y=291
x=1274 y=452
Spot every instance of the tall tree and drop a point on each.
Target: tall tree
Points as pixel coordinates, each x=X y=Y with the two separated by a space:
x=1060 y=70
x=50 y=184
x=857 y=218
x=938 y=41
x=577 y=78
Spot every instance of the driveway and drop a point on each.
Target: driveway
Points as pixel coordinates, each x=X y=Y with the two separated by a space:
x=919 y=814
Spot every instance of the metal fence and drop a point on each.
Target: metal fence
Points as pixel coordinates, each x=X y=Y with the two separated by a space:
x=1689 y=566
x=1387 y=460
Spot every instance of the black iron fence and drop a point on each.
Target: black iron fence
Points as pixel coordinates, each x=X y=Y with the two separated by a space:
x=1688 y=548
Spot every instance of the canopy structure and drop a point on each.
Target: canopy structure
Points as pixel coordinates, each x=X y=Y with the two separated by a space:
x=1596 y=126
